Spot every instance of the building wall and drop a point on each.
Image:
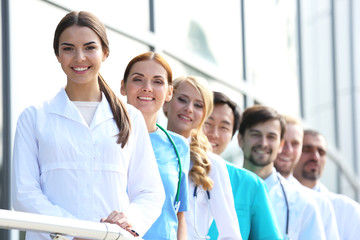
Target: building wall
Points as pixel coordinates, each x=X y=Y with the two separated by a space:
x=301 y=57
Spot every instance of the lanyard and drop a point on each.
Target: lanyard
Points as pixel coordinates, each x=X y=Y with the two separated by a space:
x=287 y=209
x=177 y=202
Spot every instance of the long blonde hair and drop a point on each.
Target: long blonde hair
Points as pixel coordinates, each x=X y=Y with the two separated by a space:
x=199 y=144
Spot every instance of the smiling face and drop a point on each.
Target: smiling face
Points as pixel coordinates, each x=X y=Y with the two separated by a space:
x=80 y=55
x=291 y=151
x=219 y=126
x=261 y=143
x=147 y=87
x=186 y=109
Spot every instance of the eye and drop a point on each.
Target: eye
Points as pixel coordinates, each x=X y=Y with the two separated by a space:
x=224 y=129
x=272 y=137
x=90 y=47
x=136 y=79
x=159 y=81
x=66 y=49
x=198 y=105
x=207 y=124
x=322 y=152
x=182 y=99
x=307 y=149
x=255 y=134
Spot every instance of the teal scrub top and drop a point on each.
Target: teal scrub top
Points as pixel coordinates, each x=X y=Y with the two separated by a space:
x=165 y=227
x=257 y=219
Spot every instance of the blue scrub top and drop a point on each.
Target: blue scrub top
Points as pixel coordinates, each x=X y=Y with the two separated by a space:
x=257 y=219
x=165 y=227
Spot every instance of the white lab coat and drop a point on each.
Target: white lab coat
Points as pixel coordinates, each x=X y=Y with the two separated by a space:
x=304 y=218
x=221 y=204
x=62 y=167
x=347 y=213
x=325 y=207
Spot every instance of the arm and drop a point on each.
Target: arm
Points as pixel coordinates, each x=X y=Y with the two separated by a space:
x=181 y=232
x=222 y=201
x=27 y=194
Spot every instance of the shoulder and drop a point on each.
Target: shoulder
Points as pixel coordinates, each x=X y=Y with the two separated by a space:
x=134 y=113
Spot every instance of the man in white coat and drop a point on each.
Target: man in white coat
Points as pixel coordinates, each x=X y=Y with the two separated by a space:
x=309 y=170
x=260 y=137
x=285 y=163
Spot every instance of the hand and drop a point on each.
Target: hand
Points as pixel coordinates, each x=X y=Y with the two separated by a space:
x=120 y=219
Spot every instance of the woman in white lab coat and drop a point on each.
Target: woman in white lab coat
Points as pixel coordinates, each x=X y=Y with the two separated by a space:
x=209 y=184
x=78 y=155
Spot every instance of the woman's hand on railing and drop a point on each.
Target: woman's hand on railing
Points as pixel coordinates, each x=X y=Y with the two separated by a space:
x=120 y=219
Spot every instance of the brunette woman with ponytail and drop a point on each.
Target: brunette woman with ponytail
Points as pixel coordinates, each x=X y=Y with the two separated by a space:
x=210 y=194
x=78 y=155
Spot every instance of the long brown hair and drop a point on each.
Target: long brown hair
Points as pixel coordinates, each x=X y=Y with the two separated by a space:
x=86 y=19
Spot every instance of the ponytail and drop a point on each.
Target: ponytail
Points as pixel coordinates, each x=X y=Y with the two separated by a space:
x=119 y=111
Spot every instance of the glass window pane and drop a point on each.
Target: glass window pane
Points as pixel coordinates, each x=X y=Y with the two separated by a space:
x=271 y=52
x=196 y=28
x=131 y=15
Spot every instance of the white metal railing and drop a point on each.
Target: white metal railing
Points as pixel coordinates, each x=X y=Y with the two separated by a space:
x=59 y=227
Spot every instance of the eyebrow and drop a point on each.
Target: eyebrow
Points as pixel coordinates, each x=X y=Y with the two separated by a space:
x=156 y=76
x=70 y=44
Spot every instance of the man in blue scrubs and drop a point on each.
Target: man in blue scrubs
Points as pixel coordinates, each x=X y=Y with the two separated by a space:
x=256 y=217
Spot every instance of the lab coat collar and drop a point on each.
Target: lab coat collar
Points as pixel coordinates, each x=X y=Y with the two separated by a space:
x=63 y=106
x=271 y=180
x=319 y=187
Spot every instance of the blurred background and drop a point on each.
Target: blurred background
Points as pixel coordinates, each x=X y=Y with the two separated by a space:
x=301 y=57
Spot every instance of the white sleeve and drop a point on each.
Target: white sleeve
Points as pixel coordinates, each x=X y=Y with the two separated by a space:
x=222 y=200
x=27 y=195
x=145 y=188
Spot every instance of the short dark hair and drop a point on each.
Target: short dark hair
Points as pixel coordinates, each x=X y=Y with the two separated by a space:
x=260 y=114
x=221 y=98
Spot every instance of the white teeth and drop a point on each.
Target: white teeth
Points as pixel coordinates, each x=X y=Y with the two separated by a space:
x=80 y=69
x=261 y=151
x=213 y=144
x=146 y=98
x=186 y=118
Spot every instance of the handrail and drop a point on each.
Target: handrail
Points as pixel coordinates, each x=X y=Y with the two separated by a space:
x=62 y=226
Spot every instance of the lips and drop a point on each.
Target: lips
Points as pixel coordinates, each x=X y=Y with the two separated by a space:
x=186 y=118
x=146 y=98
x=80 y=69
x=284 y=159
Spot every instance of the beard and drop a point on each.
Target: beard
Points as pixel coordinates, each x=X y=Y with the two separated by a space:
x=283 y=170
x=260 y=162
x=312 y=175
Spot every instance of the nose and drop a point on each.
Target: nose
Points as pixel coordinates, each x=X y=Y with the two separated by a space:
x=263 y=141
x=80 y=56
x=189 y=107
x=147 y=86
x=213 y=132
x=287 y=147
x=315 y=155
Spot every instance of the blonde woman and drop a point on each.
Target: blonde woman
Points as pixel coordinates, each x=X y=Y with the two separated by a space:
x=209 y=184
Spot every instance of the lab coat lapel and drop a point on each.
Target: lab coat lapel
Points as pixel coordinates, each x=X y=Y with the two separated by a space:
x=62 y=106
x=103 y=112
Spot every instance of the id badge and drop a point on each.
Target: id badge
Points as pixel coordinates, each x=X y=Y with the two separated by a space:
x=177 y=206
